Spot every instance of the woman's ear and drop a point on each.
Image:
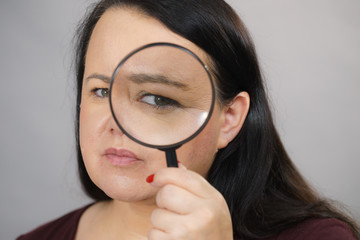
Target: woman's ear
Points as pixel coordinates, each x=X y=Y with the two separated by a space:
x=233 y=117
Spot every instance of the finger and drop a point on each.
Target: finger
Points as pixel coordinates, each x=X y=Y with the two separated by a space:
x=181 y=165
x=172 y=225
x=156 y=234
x=176 y=199
x=164 y=220
x=185 y=179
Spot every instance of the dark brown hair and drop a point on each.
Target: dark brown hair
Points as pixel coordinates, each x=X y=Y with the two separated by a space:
x=263 y=189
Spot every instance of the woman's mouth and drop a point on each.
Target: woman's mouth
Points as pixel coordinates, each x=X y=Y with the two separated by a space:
x=121 y=157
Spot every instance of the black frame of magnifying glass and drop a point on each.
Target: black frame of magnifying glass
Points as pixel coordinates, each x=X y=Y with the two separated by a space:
x=169 y=149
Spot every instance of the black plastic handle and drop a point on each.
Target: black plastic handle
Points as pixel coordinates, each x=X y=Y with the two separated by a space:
x=171 y=158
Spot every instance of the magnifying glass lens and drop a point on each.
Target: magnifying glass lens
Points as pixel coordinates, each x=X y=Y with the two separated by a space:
x=161 y=95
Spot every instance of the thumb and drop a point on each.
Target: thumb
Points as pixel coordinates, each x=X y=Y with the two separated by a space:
x=181 y=166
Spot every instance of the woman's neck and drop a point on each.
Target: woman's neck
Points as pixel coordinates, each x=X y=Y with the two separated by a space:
x=116 y=220
x=134 y=216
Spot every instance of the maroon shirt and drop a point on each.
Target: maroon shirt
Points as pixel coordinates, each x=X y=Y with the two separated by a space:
x=65 y=228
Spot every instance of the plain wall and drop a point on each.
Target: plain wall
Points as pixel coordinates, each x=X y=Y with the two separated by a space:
x=310 y=55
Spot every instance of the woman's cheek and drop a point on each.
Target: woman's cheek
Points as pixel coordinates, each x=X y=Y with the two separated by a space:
x=83 y=122
x=87 y=129
x=198 y=154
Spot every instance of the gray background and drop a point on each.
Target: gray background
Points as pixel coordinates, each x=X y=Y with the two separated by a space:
x=309 y=51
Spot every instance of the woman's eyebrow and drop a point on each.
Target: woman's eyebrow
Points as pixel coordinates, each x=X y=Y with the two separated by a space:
x=104 y=78
x=144 y=78
x=157 y=78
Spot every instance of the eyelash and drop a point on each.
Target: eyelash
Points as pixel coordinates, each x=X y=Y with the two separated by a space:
x=95 y=90
x=172 y=103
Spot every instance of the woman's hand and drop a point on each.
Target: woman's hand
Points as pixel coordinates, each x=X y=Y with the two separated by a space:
x=188 y=208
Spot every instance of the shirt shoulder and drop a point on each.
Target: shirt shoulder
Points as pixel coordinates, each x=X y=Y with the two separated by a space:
x=62 y=228
x=318 y=229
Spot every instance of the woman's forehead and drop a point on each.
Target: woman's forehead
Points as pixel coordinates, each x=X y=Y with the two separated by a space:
x=121 y=30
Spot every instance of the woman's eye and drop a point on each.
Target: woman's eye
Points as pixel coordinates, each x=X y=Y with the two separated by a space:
x=101 y=92
x=159 y=101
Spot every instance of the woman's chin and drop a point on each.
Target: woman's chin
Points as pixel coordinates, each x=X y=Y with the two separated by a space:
x=130 y=193
x=132 y=198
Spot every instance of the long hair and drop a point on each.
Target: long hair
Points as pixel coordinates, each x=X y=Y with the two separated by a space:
x=263 y=189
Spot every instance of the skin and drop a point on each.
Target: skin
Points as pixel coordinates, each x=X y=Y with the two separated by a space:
x=179 y=203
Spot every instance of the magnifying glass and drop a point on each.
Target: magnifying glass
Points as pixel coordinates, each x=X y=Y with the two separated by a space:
x=161 y=96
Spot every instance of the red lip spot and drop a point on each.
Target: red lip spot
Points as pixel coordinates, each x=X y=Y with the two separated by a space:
x=150 y=178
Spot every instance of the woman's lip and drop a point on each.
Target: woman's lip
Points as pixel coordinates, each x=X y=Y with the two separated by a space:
x=120 y=157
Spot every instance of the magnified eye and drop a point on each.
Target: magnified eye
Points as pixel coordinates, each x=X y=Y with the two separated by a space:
x=159 y=101
x=101 y=92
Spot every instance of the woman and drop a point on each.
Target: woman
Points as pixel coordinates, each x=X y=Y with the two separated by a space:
x=235 y=180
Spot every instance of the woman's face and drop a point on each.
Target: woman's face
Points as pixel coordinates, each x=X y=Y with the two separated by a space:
x=116 y=164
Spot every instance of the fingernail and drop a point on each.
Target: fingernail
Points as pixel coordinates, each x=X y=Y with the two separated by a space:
x=150 y=178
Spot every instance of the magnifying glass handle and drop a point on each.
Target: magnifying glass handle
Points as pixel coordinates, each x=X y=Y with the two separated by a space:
x=171 y=158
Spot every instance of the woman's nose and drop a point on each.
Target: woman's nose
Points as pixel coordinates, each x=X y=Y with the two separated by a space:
x=114 y=128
